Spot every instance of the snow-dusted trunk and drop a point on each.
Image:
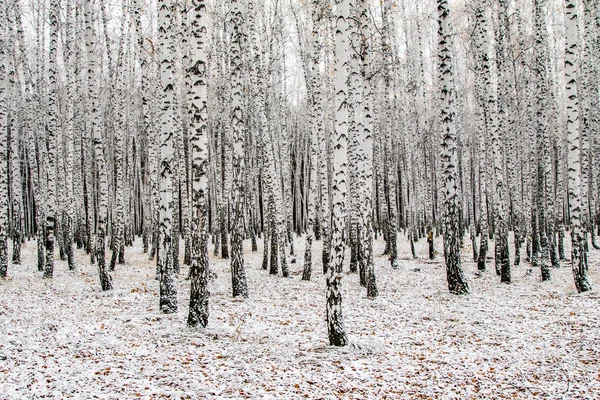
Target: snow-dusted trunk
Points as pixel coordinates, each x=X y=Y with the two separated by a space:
x=389 y=135
x=198 y=108
x=26 y=111
x=53 y=129
x=226 y=187
x=355 y=125
x=588 y=93
x=70 y=207
x=168 y=289
x=118 y=210
x=365 y=155
x=316 y=103
x=335 y=322
x=147 y=129
x=497 y=135
x=578 y=245
x=185 y=151
x=593 y=27
x=485 y=120
x=238 y=273
x=96 y=136
x=325 y=199
x=13 y=111
x=456 y=280
x=3 y=147
x=544 y=184
x=178 y=161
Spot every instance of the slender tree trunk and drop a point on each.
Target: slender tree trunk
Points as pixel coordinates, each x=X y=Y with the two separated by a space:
x=365 y=230
x=335 y=322
x=578 y=245
x=497 y=135
x=198 y=313
x=53 y=110
x=3 y=147
x=456 y=280
x=312 y=160
x=96 y=134
x=70 y=211
x=168 y=289
x=238 y=273
x=14 y=108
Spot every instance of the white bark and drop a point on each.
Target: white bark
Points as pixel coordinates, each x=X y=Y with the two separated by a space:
x=578 y=247
x=335 y=322
x=96 y=136
x=456 y=281
x=198 y=107
x=53 y=131
x=168 y=289
x=3 y=147
x=238 y=274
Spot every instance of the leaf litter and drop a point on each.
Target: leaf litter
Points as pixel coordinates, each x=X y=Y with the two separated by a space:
x=64 y=338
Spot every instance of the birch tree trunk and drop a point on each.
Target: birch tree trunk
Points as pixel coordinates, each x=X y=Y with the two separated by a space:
x=365 y=155
x=390 y=143
x=545 y=203
x=198 y=313
x=3 y=147
x=578 y=245
x=497 y=135
x=118 y=211
x=486 y=121
x=13 y=110
x=36 y=141
x=168 y=289
x=238 y=273
x=456 y=280
x=96 y=135
x=53 y=126
x=335 y=322
x=68 y=137
x=316 y=103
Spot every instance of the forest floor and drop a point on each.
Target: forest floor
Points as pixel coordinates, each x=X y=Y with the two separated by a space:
x=64 y=338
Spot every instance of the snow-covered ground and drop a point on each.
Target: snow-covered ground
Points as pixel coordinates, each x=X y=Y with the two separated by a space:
x=64 y=338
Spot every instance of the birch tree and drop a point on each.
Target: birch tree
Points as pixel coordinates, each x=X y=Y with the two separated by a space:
x=578 y=245
x=335 y=322
x=456 y=280
x=545 y=202
x=70 y=209
x=53 y=126
x=315 y=131
x=365 y=156
x=501 y=215
x=238 y=273
x=486 y=113
x=168 y=289
x=99 y=248
x=14 y=107
x=198 y=312
x=3 y=147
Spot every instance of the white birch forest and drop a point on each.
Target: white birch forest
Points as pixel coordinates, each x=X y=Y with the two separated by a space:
x=298 y=134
